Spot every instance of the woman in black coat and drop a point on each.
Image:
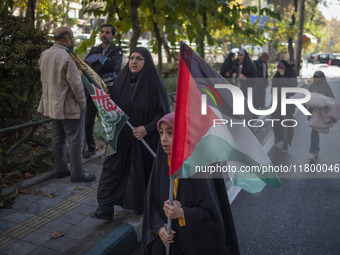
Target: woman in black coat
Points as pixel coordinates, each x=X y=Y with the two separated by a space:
x=229 y=68
x=140 y=93
x=284 y=77
x=246 y=71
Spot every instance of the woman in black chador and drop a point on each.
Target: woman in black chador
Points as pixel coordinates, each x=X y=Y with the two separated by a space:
x=229 y=68
x=140 y=93
x=202 y=222
x=246 y=71
x=283 y=78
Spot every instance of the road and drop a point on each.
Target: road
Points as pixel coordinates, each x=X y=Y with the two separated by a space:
x=303 y=215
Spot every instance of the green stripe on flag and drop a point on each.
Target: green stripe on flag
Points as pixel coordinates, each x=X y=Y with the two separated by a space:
x=212 y=149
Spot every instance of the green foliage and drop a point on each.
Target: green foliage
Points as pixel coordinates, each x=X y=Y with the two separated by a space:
x=20 y=90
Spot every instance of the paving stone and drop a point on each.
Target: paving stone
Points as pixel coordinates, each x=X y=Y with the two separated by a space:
x=59 y=184
x=19 y=248
x=52 y=201
x=71 y=217
x=43 y=251
x=31 y=197
x=55 y=225
x=20 y=203
x=91 y=223
x=5 y=225
x=37 y=207
x=49 y=189
x=85 y=209
x=18 y=217
x=5 y=212
x=38 y=237
x=92 y=202
x=60 y=244
x=65 y=194
x=76 y=232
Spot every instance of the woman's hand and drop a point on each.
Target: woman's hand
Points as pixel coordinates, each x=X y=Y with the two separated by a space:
x=164 y=236
x=174 y=211
x=241 y=76
x=139 y=132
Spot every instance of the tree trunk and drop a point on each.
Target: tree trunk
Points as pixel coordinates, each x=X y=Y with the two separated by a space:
x=159 y=44
x=290 y=40
x=166 y=49
x=158 y=38
x=31 y=5
x=201 y=39
x=299 y=43
x=135 y=23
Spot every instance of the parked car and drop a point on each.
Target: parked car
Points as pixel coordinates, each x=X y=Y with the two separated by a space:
x=335 y=59
x=322 y=58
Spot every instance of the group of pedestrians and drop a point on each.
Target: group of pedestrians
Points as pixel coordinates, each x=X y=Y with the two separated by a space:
x=139 y=91
x=132 y=177
x=240 y=70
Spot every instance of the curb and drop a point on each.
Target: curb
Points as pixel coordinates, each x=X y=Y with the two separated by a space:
x=40 y=178
x=120 y=241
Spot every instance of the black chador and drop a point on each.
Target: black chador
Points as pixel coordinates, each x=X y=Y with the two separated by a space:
x=142 y=96
x=209 y=226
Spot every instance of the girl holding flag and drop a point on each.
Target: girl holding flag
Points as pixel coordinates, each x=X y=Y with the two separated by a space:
x=202 y=222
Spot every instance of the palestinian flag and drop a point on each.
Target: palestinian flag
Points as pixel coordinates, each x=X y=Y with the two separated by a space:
x=206 y=130
x=111 y=117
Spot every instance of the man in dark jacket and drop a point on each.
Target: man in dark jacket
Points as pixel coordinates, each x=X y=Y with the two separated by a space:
x=262 y=81
x=106 y=60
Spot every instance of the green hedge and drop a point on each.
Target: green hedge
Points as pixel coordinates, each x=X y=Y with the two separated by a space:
x=20 y=47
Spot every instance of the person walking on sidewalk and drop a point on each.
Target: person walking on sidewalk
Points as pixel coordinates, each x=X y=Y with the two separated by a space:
x=246 y=71
x=284 y=77
x=106 y=60
x=63 y=101
x=317 y=120
x=229 y=68
x=140 y=93
x=261 y=81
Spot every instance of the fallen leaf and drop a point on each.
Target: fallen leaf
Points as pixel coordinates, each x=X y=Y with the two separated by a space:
x=57 y=234
x=52 y=195
x=25 y=191
x=38 y=192
x=78 y=188
x=28 y=175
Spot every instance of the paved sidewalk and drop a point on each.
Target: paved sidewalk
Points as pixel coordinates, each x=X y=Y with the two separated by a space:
x=58 y=204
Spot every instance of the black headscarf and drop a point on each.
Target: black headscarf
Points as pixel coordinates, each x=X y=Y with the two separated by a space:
x=248 y=67
x=149 y=91
x=228 y=65
x=289 y=72
x=322 y=85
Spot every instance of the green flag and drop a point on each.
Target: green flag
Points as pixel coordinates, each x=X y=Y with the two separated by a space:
x=111 y=118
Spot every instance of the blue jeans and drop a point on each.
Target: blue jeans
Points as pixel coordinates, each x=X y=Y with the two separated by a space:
x=315 y=140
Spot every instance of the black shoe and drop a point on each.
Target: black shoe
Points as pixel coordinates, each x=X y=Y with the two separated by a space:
x=62 y=174
x=84 y=178
x=101 y=215
x=89 y=154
